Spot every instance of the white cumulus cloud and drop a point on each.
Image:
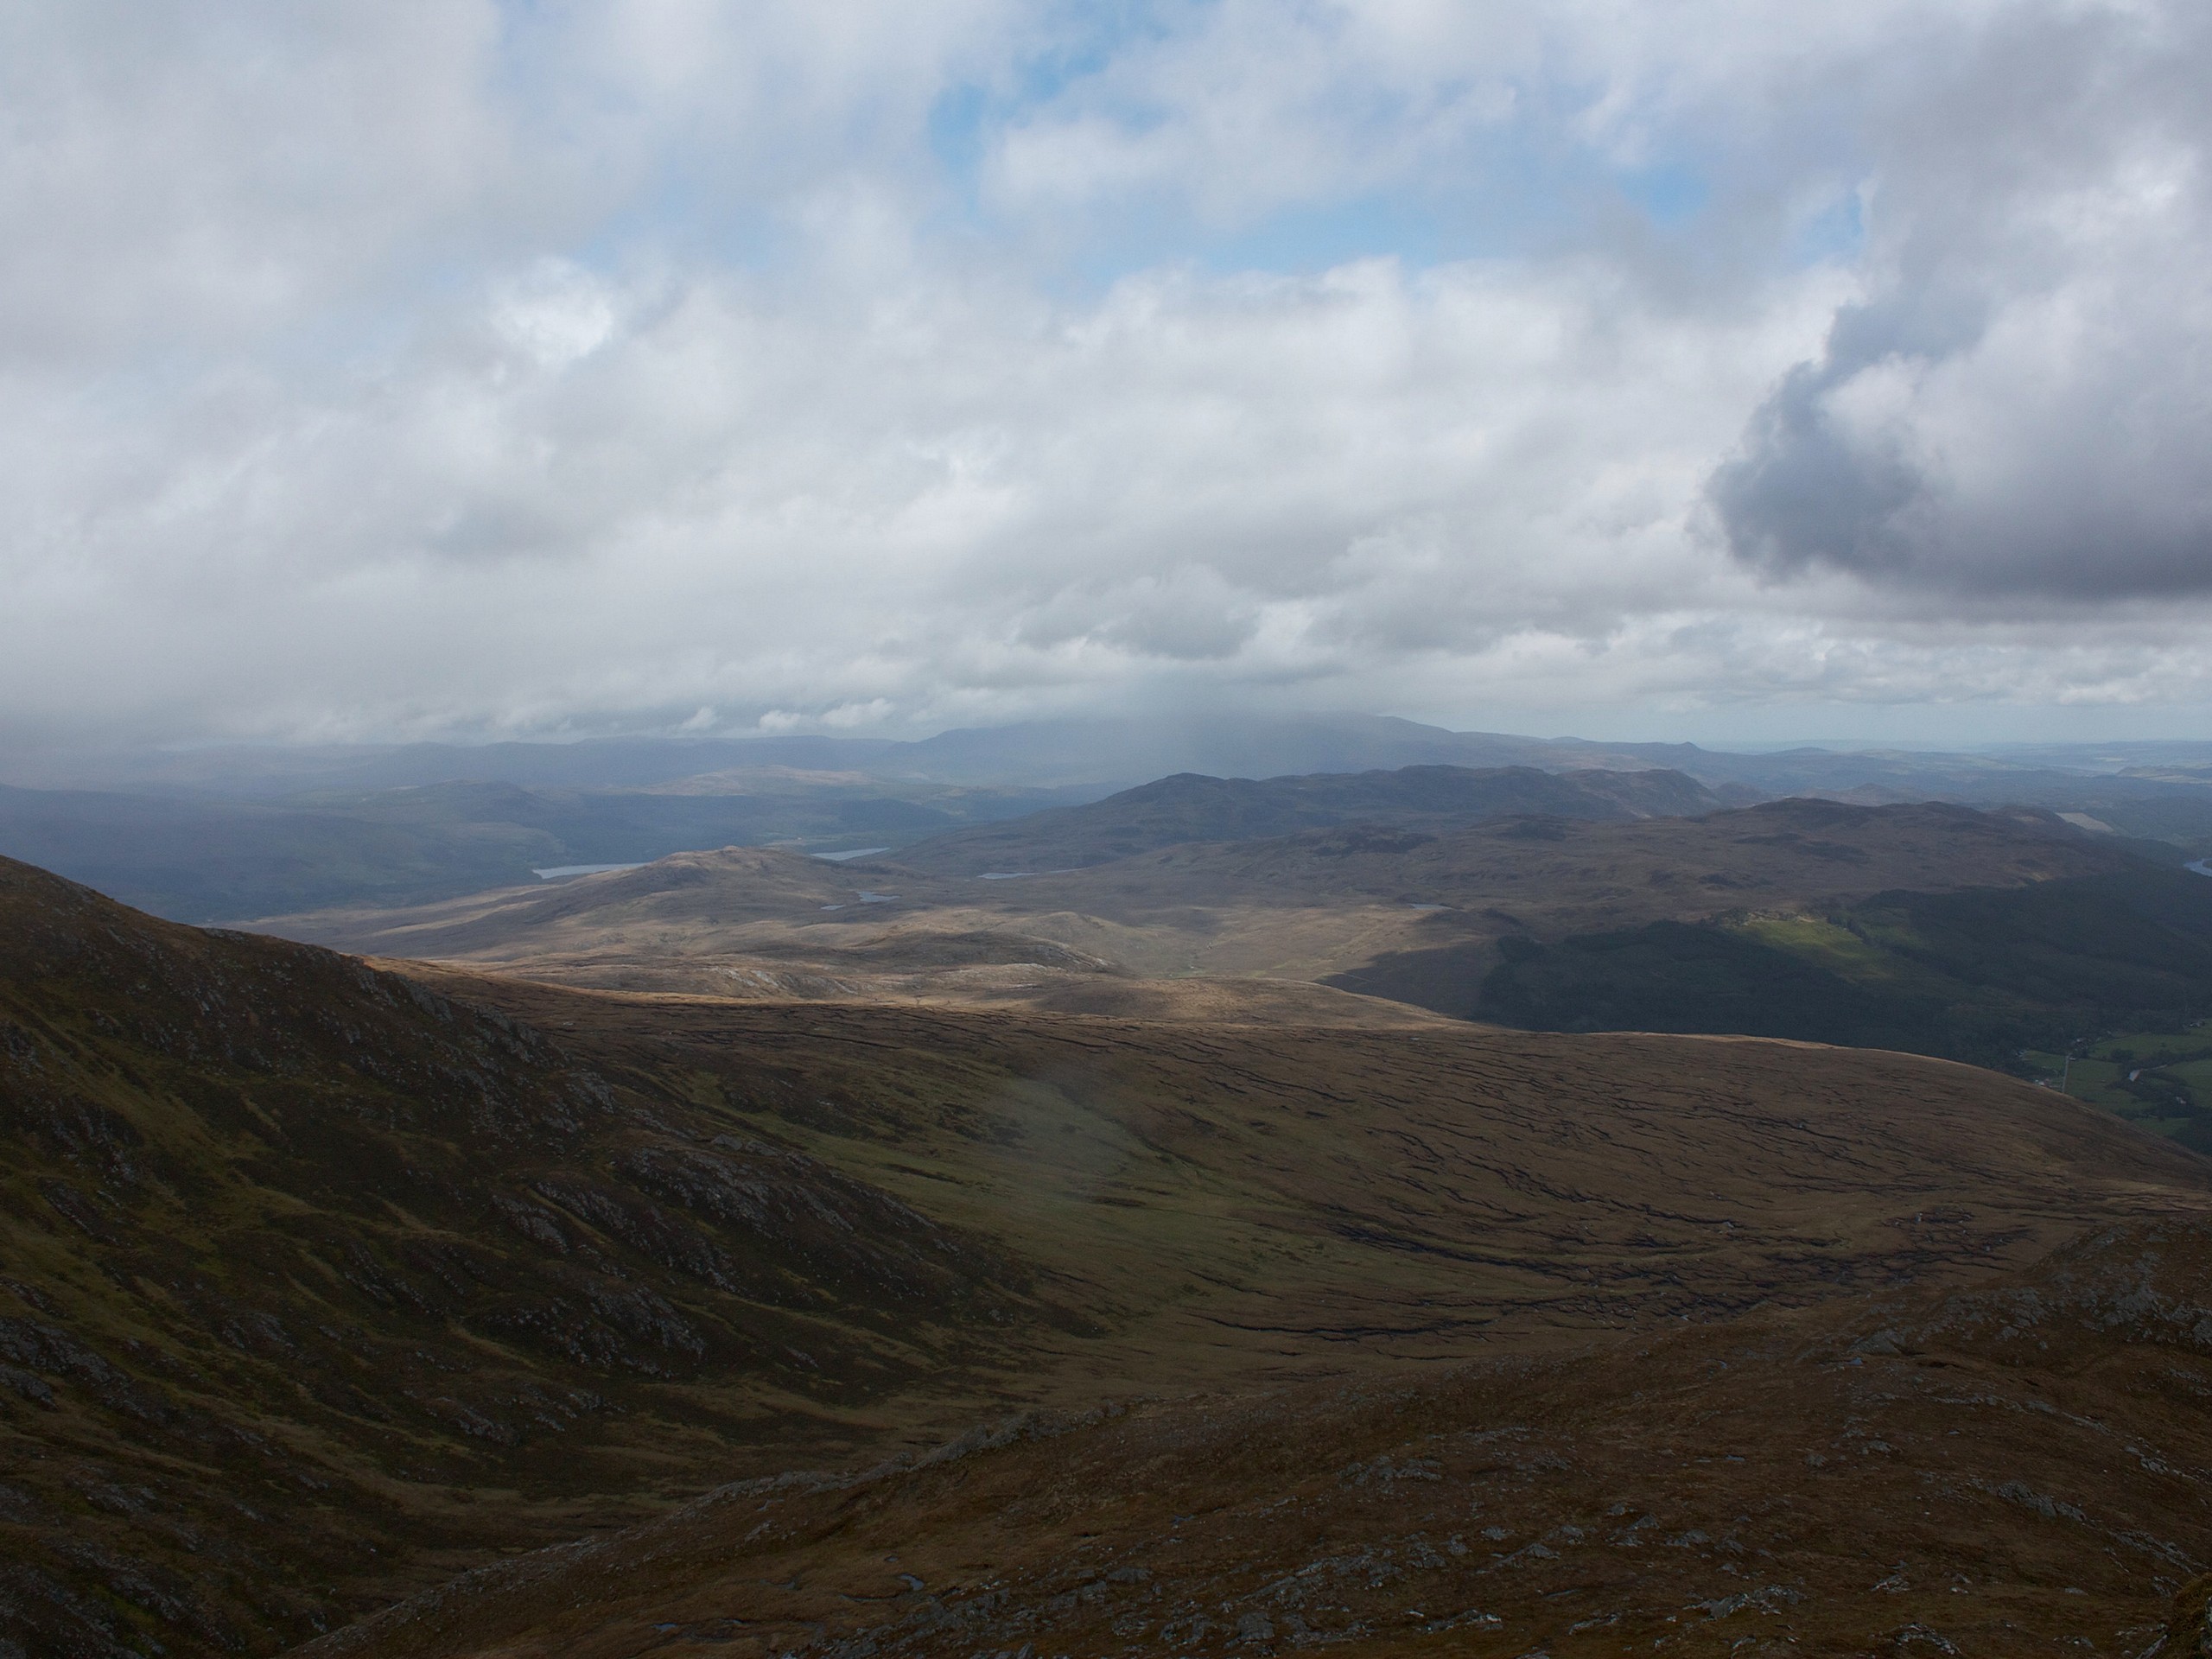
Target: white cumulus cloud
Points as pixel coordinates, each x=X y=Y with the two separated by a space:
x=378 y=370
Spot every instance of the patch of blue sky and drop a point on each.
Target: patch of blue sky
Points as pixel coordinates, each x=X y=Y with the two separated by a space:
x=1670 y=196
x=1519 y=188
x=523 y=27
x=1155 y=233
x=689 y=210
x=1835 y=235
x=960 y=125
x=1087 y=37
x=1321 y=235
x=1508 y=200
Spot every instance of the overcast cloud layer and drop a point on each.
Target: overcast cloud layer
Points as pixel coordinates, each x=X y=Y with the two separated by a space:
x=390 y=369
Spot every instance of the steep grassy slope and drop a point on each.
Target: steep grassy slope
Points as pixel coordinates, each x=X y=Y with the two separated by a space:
x=1188 y=807
x=313 y=1277
x=2017 y=1470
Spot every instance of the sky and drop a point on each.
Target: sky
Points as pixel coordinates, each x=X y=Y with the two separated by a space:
x=1634 y=368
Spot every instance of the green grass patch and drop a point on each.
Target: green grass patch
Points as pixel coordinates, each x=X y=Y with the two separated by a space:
x=2158 y=1080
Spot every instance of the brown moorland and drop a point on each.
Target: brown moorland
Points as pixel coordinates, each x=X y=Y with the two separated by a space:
x=1250 y=1201
x=1303 y=908
x=2016 y=1469
x=324 y=1283
x=313 y=1283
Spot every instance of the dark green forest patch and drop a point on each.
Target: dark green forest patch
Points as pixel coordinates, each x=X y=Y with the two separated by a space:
x=2006 y=978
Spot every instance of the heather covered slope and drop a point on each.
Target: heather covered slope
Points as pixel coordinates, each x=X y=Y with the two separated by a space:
x=1229 y=1202
x=301 y=1258
x=2010 y=1471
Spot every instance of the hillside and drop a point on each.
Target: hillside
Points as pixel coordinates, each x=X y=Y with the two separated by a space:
x=324 y=1283
x=1246 y=1198
x=1565 y=871
x=1978 y=975
x=2007 y=1471
x=1188 y=807
x=1324 y=904
x=2004 y=939
x=301 y=1257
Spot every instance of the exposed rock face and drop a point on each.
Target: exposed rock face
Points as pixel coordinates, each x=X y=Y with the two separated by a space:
x=2188 y=1634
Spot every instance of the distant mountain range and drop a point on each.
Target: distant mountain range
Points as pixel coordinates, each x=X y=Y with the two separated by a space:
x=202 y=859
x=1096 y=754
x=1191 y=807
x=1099 y=755
x=233 y=834
x=1937 y=928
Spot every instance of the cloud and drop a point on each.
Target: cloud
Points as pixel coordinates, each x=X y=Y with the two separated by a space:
x=461 y=369
x=2011 y=412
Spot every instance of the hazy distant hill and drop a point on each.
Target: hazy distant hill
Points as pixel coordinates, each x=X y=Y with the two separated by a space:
x=227 y=834
x=1095 y=754
x=1555 y=875
x=202 y=859
x=1188 y=807
x=1101 y=754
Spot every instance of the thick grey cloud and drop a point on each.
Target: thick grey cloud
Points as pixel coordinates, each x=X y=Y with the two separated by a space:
x=2016 y=411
